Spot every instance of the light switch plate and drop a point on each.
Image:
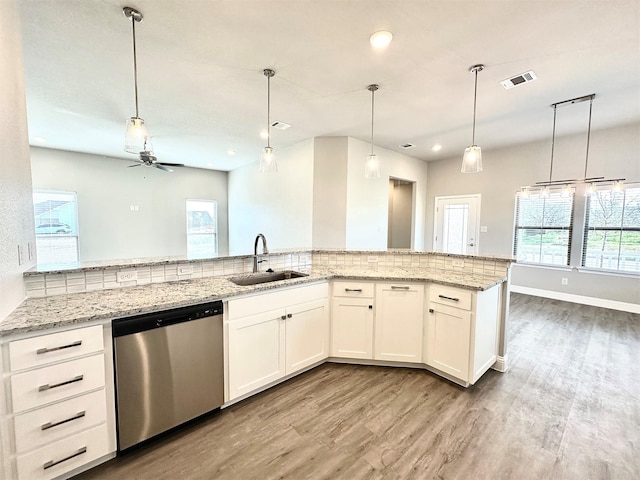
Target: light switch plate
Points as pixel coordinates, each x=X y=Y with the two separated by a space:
x=483 y=229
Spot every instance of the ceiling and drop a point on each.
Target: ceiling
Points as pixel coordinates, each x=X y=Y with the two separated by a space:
x=202 y=90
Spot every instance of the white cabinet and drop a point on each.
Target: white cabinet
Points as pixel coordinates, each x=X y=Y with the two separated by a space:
x=60 y=411
x=272 y=335
x=399 y=317
x=352 y=320
x=461 y=334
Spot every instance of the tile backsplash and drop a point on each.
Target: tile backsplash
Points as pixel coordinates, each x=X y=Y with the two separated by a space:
x=58 y=283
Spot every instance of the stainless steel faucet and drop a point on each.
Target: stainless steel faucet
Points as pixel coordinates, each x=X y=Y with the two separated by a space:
x=265 y=251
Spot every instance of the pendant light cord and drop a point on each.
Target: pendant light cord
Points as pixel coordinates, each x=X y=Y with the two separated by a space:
x=372 y=104
x=475 y=96
x=135 y=64
x=268 y=111
x=586 y=159
x=553 y=141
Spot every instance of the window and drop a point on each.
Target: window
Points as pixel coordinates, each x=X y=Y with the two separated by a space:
x=543 y=229
x=202 y=229
x=612 y=230
x=56 y=223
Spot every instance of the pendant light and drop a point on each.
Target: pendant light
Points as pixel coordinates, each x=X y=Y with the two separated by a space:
x=590 y=183
x=268 y=160
x=372 y=165
x=472 y=158
x=136 y=136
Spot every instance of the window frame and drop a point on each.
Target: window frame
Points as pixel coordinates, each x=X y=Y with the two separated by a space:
x=621 y=229
x=191 y=255
x=542 y=229
x=75 y=228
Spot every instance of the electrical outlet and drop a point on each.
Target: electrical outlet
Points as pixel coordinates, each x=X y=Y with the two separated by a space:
x=372 y=259
x=565 y=281
x=126 y=276
x=457 y=263
x=483 y=229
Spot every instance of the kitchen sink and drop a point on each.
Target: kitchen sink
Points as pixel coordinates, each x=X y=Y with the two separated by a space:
x=265 y=277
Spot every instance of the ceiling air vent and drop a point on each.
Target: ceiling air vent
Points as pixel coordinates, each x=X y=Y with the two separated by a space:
x=519 y=80
x=407 y=146
x=280 y=125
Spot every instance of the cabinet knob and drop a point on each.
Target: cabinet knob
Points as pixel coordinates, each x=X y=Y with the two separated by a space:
x=289 y=315
x=370 y=307
x=283 y=317
x=431 y=310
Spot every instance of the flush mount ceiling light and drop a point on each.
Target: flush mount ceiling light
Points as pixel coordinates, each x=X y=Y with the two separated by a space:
x=137 y=137
x=380 y=39
x=372 y=165
x=590 y=183
x=472 y=158
x=436 y=148
x=268 y=160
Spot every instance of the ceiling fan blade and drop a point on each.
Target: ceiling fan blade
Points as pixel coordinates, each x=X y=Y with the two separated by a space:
x=135 y=165
x=157 y=165
x=170 y=164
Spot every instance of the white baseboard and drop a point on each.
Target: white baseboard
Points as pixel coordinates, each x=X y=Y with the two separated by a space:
x=584 y=300
x=500 y=365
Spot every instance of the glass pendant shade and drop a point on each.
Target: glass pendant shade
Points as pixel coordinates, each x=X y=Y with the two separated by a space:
x=618 y=186
x=472 y=160
x=545 y=192
x=372 y=167
x=137 y=136
x=268 y=161
x=590 y=189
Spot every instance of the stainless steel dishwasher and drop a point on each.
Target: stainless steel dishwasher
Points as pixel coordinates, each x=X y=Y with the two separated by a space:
x=168 y=369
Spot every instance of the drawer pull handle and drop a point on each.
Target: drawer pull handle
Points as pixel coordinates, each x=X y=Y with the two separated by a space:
x=393 y=287
x=49 y=386
x=48 y=425
x=449 y=298
x=40 y=351
x=353 y=290
x=289 y=315
x=51 y=463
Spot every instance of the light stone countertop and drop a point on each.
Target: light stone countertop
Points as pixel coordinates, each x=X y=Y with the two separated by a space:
x=62 y=310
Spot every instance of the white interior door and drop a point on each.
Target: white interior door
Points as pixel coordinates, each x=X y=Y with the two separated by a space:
x=456 y=226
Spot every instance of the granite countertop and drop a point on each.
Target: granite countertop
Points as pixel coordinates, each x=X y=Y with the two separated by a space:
x=63 y=310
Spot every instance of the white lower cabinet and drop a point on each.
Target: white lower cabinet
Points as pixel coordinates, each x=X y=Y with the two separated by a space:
x=399 y=318
x=291 y=335
x=462 y=329
x=61 y=415
x=352 y=320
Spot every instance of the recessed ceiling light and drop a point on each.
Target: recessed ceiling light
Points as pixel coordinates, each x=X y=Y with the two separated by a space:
x=263 y=134
x=231 y=151
x=39 y=139
x=380 y=39
x=437 y=147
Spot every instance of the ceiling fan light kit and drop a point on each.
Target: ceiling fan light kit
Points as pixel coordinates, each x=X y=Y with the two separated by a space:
x=568 y=186
x=472 y=158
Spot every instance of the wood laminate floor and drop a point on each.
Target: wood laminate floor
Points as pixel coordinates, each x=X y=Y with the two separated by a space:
x=568 y=408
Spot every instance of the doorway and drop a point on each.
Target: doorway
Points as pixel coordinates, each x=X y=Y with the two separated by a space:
x=456 y=228
x=401 y=200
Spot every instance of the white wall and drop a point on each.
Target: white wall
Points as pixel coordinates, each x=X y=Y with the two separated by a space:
x=613 y=153
x=106 y=188
x=16 y=204
x=330 y=192
x=367 y=200
x=278 y=205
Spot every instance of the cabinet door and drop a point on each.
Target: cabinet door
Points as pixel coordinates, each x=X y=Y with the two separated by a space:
x=256 y=351
x=352 y=328
x=448 y=340
x=307 y=335
x=398 y=322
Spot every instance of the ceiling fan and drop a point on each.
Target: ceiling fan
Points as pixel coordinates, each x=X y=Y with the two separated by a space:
x=148 y=159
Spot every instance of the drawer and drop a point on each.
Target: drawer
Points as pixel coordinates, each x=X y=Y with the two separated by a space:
x=64 y=455
x=455 y=297
x=45 y=349
x=48 y=424
x=56 y=382
x=345 y=288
